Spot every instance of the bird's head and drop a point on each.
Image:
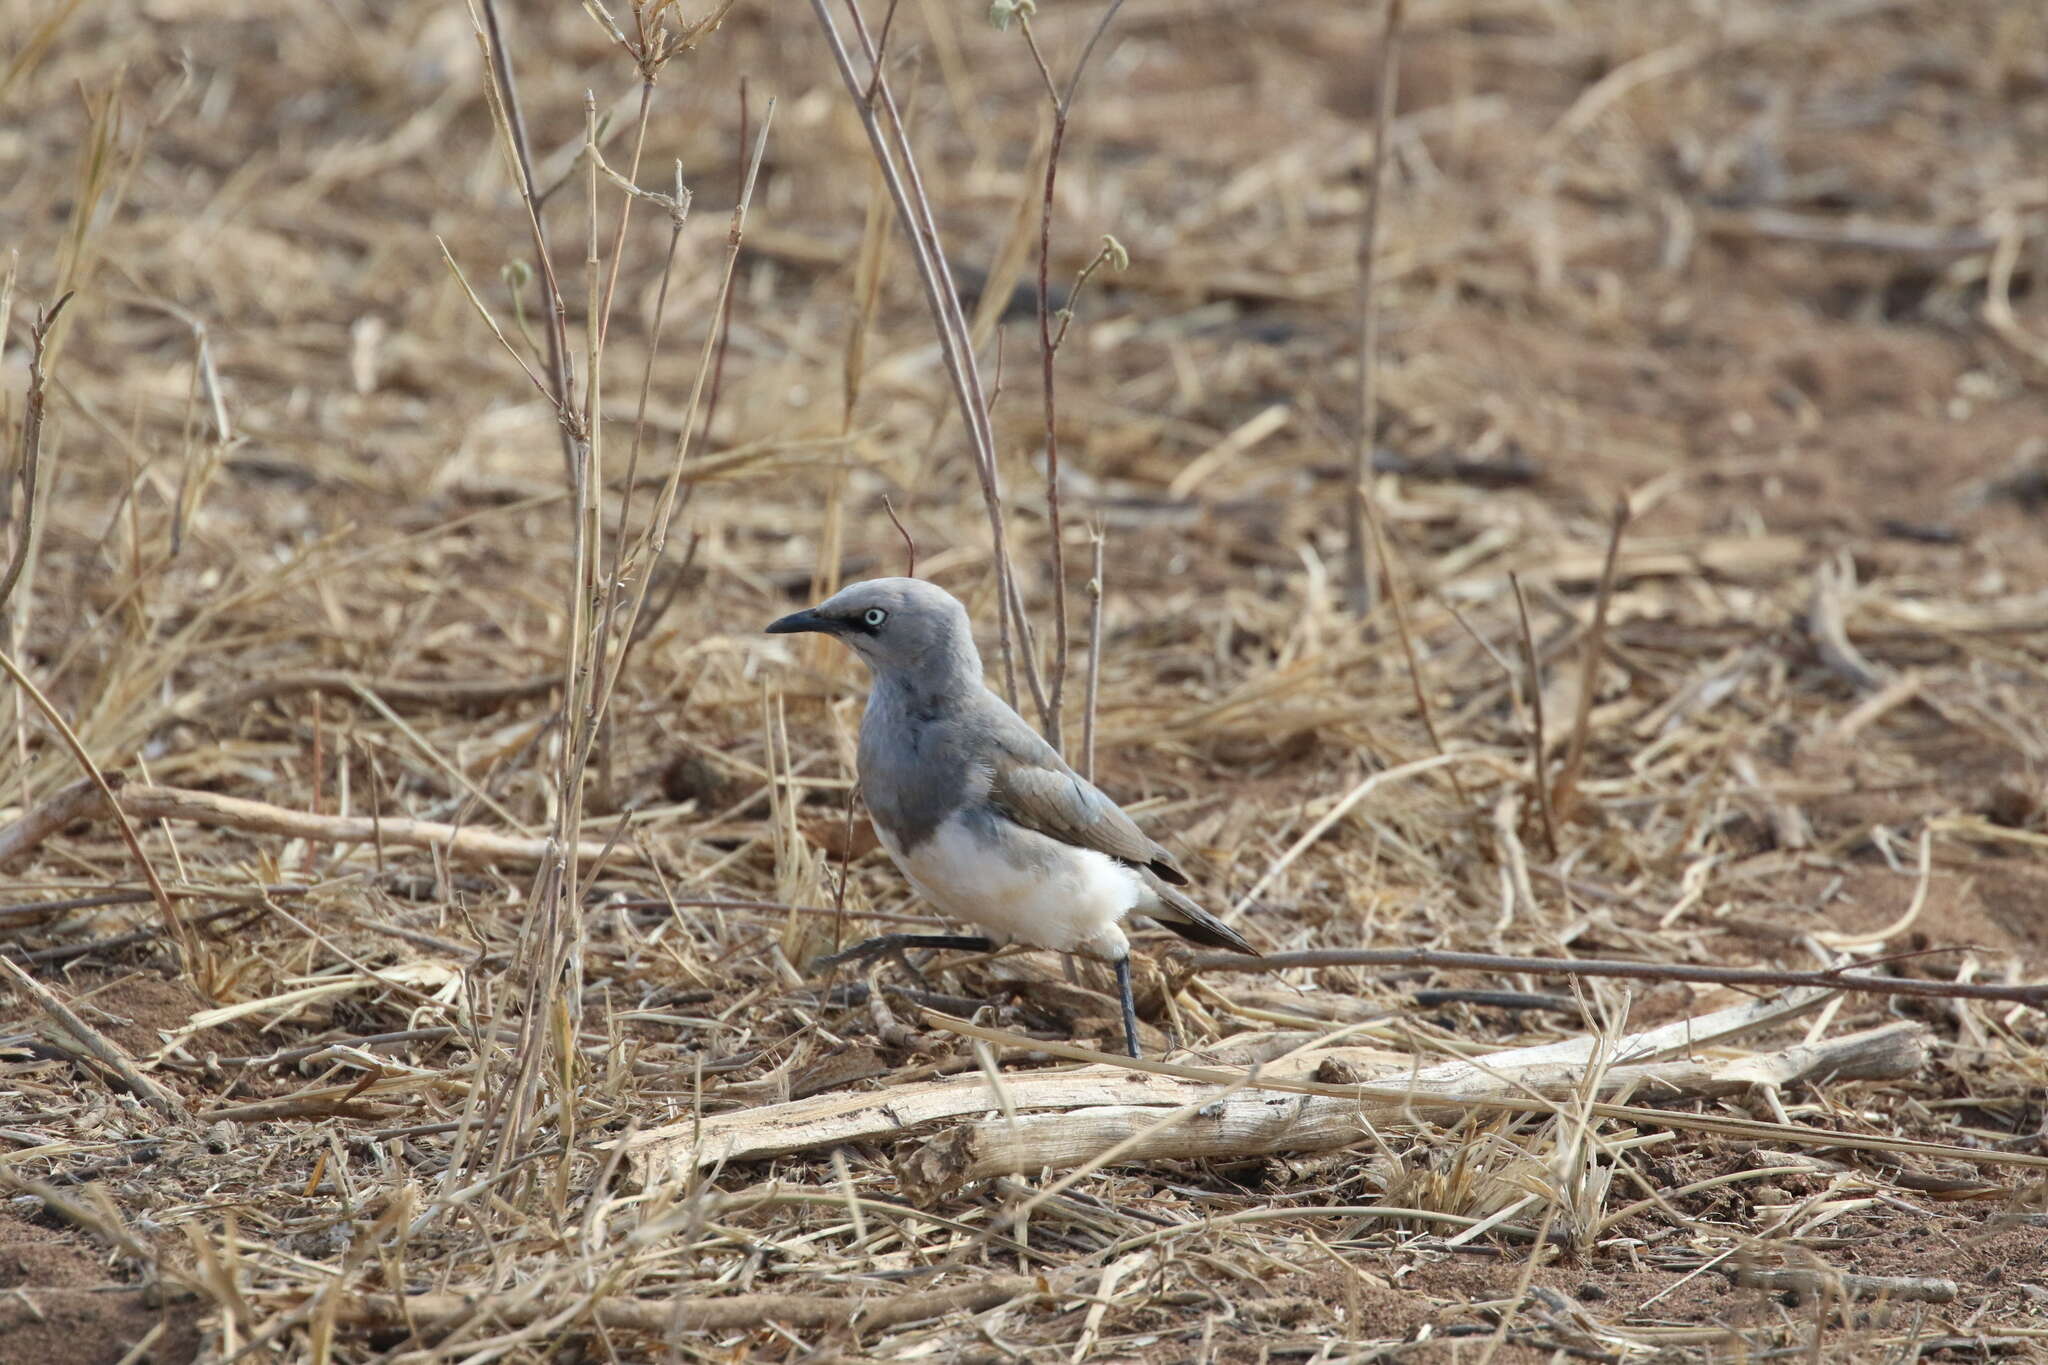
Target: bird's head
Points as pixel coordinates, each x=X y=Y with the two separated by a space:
x=901 y=627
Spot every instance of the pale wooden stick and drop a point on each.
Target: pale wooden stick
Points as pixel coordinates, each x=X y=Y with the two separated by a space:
x=1816 y=1283
x=1512 y=1080
x=257 y=817
x=661 y=1316
x=1256 y=1122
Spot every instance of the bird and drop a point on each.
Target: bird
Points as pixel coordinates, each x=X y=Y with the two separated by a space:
x=981 y=815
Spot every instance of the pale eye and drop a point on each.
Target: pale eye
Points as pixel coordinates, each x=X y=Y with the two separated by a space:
x=874 y=616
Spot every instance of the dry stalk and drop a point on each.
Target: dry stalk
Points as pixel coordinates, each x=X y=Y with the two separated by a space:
x=1048 y=347
x=1539 y=757
x=29 y=462
x=1096 y=587
x=889 y=139
x=1397 y=595
x=174 y=922
x=511 y=120
x=1358 y=571
x=1564 y=795
x=139 y=801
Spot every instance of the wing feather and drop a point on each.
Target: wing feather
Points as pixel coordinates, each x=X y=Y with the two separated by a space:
x=1041 y=793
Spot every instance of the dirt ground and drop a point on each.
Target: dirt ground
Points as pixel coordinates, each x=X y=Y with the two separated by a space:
x=1760 y=272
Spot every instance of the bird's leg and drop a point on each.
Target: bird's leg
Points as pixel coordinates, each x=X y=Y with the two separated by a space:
x=895 y=944
x=1123 y=990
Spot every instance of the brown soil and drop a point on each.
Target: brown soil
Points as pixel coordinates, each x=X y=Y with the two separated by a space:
x=58 y=1306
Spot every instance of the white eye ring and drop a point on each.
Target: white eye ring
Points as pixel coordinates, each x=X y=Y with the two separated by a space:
x=874 y=616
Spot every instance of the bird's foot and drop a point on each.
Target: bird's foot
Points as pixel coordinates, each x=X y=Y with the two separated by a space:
x=897 y=945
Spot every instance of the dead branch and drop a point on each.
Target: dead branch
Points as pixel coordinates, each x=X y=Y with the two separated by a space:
x=658 y=1317
x=1502 y=1080
x=452 y=692
x=83 y=800
x=1724 y=1125
x=1840 y=979
x=1842 y=1285
x=1255 y=1122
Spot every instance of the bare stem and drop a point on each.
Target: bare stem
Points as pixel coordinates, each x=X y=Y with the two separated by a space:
x=1048 y=347
x=875 y=103
x=1565 y=795
x=505 y=92
x=1095 y=593
x=1539 y=760
x=1358 y=570
x=31 y=445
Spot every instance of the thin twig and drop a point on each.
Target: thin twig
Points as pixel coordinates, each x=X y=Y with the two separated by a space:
x=1358 y=571
x=505 y=97
x=909 y=545
x=31 y=445
x=1565 y=794
x=1095 y=595
x=1048 y=348
x=1539 y=758
x=894 y=157
x=1839 y=978
x=173 y=920
x=1397 y=596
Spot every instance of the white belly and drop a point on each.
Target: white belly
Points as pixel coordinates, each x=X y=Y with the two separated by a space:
x=1028 y=889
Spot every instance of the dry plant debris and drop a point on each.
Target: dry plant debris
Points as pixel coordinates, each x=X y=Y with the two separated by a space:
x=412 y=849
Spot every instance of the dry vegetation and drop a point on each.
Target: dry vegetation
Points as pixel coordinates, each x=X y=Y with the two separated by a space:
x=336 y=1045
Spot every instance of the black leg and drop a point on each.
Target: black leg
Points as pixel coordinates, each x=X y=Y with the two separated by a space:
x=896 y=943
x=1123 y=989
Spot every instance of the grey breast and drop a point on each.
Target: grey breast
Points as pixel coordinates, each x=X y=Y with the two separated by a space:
x=917 y=762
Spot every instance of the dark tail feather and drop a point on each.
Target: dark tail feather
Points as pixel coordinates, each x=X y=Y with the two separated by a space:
x=1195 y=924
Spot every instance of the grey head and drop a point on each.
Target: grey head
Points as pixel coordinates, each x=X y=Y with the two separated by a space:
x=904 y=629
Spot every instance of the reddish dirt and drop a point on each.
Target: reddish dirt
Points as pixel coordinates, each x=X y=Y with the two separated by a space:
x=58 y=1305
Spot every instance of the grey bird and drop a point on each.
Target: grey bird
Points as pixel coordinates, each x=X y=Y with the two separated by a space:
x=980 y=813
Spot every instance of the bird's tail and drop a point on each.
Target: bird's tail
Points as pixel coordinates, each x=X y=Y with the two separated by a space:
x=1174 y=910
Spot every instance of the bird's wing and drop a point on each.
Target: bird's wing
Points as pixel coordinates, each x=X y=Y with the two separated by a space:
x=1030 y=785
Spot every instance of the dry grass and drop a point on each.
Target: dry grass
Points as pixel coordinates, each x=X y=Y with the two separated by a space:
x=303 y=564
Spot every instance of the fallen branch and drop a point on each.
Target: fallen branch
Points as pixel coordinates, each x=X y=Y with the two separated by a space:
x=1814 y=1284
x=1836 y=979
x=1258 y=1122
x=84 y=800
x=1722 y=1124
x=658 y=1317
x=454 y=692
x=1275 y=1107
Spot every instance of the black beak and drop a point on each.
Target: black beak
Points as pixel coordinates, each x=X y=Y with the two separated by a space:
x=800 y=622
